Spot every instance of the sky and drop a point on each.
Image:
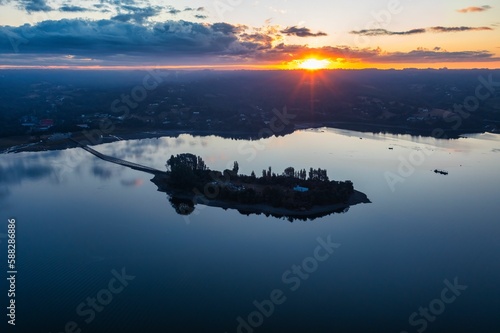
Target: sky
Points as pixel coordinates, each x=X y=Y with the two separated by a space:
x=249 y=34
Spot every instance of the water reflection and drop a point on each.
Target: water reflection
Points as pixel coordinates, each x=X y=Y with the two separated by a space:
x=102 y=172
x=132 y=182
x=182 y=206
x=398 y=249
x=18 y=171
x=341 y=152
x=185 y=207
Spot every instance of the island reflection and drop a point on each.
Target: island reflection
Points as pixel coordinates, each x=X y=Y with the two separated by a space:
x=292 y=195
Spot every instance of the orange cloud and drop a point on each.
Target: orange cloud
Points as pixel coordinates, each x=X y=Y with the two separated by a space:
x=474 y=9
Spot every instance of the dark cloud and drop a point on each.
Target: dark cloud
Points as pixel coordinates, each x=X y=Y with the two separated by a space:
x=50 y=5
x=101 y=7
x=458 y=29
x=118 y=2
x=112 y=42
x=256 y=41
x=191 y=9
x=136 y=14
x=173 y=11
x=201 y=17
x=384 y=32
x=228 y=29
x=474 y=9
x=111 y=37
x=73 y=9
x=301 y=32
x=34 y=5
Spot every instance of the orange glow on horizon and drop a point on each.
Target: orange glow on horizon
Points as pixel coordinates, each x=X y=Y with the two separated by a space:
x=309 y=64
x=314 y=64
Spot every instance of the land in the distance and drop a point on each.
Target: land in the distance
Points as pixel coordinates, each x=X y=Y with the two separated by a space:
x=41 y=108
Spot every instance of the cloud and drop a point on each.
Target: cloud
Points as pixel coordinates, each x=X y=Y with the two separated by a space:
x=384 y=32
x=474 y=9
x=125 y=42
x=191 y=9
x=301 y=32
x=432 y=56
x=173 y=11
x=137 y=14
x=118 y=2
x=228 y=29
x=201 y=17
x=287 y=53
x=34 y=5
x=458 y=29
x=120 y=36
x=68 y=8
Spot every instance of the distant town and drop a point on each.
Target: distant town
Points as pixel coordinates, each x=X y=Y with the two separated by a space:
x=54 y=105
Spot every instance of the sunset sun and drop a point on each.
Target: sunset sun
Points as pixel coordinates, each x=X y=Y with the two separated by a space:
x=313 y=64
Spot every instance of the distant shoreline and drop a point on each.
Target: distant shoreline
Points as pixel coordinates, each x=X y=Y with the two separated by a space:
x=22 y=143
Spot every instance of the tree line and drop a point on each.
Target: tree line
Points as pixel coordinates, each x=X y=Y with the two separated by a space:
x=190 y=172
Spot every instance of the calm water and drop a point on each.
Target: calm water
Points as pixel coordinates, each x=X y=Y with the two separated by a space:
x=80 y=218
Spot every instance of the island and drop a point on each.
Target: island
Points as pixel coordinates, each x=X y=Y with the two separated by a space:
x=293 y=194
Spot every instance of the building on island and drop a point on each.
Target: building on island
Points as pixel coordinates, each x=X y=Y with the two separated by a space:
x=300 y=189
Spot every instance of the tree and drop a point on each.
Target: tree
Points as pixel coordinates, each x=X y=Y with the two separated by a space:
x=201 y=164
x=236 y=167
x=184 y=169
x=252 y=175
x=289 y=172
x=323 y=175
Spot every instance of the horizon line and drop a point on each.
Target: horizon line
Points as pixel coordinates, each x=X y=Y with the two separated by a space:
x=220 y=68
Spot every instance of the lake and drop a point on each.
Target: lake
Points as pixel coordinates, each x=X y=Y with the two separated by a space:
x=99 y=249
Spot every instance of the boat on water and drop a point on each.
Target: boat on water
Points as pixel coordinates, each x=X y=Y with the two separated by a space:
x=442 y=172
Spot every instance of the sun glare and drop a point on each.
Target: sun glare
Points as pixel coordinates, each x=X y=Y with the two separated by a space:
x=313 y=64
